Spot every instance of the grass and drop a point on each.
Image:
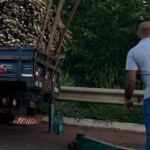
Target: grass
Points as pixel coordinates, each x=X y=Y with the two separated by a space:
x=66 y=80
x=97 y=111
x=100 y=112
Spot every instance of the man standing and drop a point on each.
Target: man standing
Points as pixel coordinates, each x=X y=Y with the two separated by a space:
x=138 y=58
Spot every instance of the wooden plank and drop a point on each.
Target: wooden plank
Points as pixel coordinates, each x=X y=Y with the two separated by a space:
x=57 y=54
x=45 y=22
x=47 y=64
x=67 y=26
x=53 y=31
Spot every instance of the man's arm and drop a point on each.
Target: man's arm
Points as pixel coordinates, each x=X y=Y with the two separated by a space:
x=130 y=82
x=131 y=67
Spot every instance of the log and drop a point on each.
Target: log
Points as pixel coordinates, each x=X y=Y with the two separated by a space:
x=21 y=24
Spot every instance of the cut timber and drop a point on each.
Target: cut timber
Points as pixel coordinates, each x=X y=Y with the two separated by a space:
x=87 y=143
x=32 y=23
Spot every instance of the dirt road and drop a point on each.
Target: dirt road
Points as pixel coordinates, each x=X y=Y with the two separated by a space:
x=36 y=137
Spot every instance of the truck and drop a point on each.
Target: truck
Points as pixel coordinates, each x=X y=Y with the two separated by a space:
x=30 y=56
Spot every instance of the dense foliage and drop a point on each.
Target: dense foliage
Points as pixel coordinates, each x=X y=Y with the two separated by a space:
x=103 y=32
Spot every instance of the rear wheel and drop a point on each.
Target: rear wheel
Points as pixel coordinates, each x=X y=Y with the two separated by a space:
x=31 y=112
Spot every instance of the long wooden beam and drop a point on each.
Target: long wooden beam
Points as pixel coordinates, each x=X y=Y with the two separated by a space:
x=45 y=22
x=67 y=26
x=53 y=31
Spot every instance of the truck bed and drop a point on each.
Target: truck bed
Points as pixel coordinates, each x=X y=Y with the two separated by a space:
x=28 y=66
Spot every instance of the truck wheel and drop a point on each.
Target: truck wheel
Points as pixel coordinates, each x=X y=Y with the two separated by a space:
x=71 y=146
x=31 y=112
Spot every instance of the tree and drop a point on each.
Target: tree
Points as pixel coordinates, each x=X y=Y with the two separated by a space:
x=103 y=32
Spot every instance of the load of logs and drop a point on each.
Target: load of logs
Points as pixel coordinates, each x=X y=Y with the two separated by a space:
x=21 y=24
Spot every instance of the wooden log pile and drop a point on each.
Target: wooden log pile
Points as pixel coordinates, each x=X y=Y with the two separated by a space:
x=21 y=24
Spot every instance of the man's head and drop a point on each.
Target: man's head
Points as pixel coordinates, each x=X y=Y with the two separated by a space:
x=144 y=30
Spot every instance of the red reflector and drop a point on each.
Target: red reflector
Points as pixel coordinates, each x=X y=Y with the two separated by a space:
x=38 y=73
x=47 y=77
x=5 y=101
x=3 y=70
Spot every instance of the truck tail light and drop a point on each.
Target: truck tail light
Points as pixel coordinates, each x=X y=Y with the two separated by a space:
x=2 y=70
x=38 y=73
x=47 y=77
x=5 y=101
x=4 y=67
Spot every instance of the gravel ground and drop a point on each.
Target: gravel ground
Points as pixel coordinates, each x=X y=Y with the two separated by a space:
x=36 y=137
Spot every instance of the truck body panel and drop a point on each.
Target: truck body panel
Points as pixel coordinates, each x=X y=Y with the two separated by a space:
x=27 y=77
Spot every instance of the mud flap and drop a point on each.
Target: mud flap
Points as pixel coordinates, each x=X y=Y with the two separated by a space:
x=27 y=120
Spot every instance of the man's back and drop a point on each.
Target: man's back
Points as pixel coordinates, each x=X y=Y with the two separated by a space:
x=139 y=59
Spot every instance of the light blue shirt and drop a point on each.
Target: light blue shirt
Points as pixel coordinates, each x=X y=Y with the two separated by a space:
x=138 y=58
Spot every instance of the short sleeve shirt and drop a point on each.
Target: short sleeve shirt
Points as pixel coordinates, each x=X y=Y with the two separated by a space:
x=138 y=58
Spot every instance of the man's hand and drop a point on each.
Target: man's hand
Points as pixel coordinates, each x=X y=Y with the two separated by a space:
x=128 y=104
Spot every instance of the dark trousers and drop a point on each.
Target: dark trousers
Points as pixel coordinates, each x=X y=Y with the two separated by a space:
x=146 y=115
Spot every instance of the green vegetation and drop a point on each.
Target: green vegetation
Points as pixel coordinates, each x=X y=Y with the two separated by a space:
x=66 y=80
x=103 y=32
x=99 y=112
x=96 y=111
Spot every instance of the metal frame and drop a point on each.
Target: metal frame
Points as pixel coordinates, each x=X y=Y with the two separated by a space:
x=88 y=143
x=98 y=95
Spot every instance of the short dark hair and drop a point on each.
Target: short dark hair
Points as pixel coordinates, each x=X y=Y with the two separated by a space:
x=144 y=30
